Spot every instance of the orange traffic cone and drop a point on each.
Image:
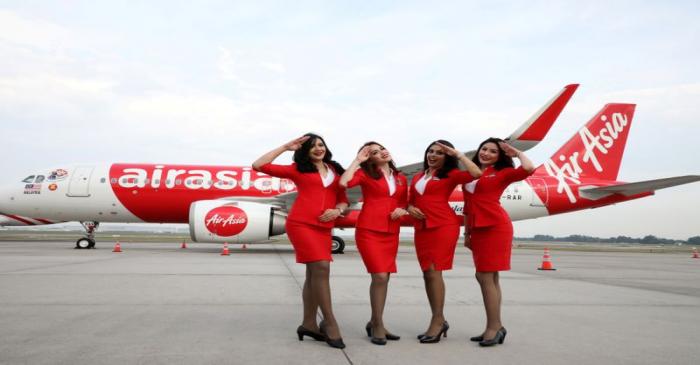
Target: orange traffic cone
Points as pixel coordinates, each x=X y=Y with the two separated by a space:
x=184 y=245
x=244 y=247
x=546 y=261
x=225 y=252
x=117 y=247
x=695 y=253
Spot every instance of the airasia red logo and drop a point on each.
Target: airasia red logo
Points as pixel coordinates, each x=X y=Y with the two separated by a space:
x=226 y=221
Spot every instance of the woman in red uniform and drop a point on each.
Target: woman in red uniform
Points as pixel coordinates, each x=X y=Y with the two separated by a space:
x=319 y=202
x=489 y=231
x=384 y=193
x=437 y=225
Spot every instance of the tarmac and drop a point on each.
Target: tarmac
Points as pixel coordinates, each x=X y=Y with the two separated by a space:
x=155 y=303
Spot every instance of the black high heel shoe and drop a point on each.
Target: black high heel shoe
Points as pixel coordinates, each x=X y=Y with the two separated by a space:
x=497 y=339
x=375 y=340
x=335 y=343
x=481 y=337
x=436 y=338
x=389 y=336
x=302 y=331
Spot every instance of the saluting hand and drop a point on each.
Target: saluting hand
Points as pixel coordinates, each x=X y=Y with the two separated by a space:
x=296 y=143
x=363 y=155
x=330 y=215
x=448 y=150
x=509 y=150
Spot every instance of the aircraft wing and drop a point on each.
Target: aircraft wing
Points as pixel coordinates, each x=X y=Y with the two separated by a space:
x=284 y=201
x=629 y=189
x=529 y=134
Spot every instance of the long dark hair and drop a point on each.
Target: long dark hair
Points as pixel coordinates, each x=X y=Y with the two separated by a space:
x=503 y=159
x=370 y=168
x=303 y=161
x=450 y=161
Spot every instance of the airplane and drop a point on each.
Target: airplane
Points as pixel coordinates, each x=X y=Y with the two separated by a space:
x=239 y=205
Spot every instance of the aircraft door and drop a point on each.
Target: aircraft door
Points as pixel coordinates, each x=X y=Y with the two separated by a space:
x=540 y=195
x=80 y=182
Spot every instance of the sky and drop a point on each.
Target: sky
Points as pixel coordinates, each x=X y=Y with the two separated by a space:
x=221 y=82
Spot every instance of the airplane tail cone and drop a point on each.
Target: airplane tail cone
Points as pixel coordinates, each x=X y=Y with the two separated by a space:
x=546 y=261
x=225 y=252
x=695 y=253
x=184 y=245
x=117 y=247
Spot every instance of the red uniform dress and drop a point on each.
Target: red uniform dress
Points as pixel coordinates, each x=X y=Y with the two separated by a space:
x=310 y=237
x=436 y=235
x=376 y=234
x=490 y=228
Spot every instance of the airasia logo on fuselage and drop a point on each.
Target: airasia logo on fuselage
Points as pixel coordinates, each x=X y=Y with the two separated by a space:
x=198 y=178
x=226 y=221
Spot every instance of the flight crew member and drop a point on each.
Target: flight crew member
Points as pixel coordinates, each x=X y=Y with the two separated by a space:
x=384 y=199
x=437 y=226
x=488 y=228
x=319 y=202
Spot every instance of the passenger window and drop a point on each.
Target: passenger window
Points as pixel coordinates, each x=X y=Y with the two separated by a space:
x=40 y=179
x=178 y=182
x=114 y=180
x=102 y=180
x=29 y=179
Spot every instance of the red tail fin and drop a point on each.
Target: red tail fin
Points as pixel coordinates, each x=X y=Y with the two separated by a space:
x=596 y=150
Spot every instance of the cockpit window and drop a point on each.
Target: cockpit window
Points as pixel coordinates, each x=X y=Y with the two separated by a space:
x=29 y=179
x=39 y=179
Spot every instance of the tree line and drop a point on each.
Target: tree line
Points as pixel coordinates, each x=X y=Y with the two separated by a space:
x=648 y=239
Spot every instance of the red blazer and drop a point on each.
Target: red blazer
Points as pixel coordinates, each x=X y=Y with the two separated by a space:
x=313 y=198
x=483 y=207
x=434 y=202
x=377 y=204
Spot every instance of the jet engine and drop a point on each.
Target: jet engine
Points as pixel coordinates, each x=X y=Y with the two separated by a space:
x=234 y=221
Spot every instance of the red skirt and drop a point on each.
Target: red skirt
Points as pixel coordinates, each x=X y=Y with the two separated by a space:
x=491 y=247
x=378 y=249
x=436 y=246
x=311 y=243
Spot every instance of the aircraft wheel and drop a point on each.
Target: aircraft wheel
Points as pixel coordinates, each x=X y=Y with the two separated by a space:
x=83 y=243
x=337 y=245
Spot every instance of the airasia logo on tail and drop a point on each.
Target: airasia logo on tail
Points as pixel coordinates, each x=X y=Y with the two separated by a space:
x=594 y=147
x=226 y=221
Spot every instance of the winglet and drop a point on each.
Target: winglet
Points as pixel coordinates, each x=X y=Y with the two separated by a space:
x=536 y=128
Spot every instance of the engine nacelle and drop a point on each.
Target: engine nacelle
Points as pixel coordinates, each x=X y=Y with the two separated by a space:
x=234 y=222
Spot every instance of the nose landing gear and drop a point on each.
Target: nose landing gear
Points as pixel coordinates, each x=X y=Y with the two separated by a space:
x=89 y=240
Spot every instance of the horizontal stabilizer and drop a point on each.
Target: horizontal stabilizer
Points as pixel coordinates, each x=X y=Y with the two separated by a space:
x=629 y=189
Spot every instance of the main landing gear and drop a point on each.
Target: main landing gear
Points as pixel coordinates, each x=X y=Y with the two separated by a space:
x=337 y=245
x=89 y=240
